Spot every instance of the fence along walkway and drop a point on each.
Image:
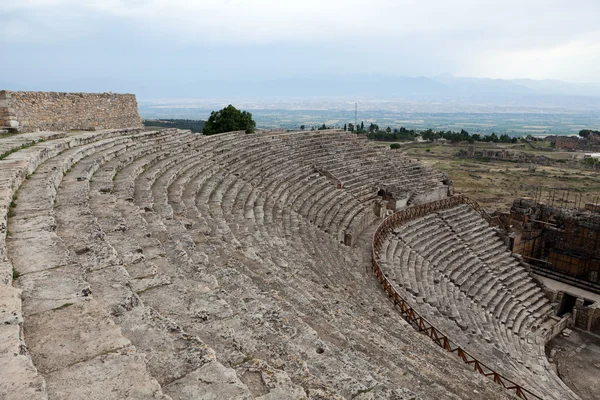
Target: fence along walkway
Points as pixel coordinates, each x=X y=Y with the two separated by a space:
x=411 y=315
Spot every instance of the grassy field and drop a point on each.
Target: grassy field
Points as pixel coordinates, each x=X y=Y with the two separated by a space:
x=495 y=184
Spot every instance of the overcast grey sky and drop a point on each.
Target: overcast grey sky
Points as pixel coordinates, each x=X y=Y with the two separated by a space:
x=136 y=43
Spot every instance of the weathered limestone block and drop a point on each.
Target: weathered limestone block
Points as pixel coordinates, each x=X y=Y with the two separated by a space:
x=171 y=353
x=19 y=379
x=6 y=271
x=10 y=306
x=50 y=253
x=31 y=221
x=124 y=372
x=71 y=334
x=52 y=288
x=210 y=382
x=143 y=283
x=267 y=383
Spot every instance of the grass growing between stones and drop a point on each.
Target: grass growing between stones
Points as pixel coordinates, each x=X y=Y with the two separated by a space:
x=23 y=146
x=12 y=205
x=9 y=152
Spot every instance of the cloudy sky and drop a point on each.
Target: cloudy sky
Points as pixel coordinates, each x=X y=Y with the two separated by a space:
x=137 y=44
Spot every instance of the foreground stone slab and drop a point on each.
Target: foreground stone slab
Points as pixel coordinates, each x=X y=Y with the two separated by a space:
x=210 y=382
x=26 y=224
x=114 y=376
x=71 y=334
x=20 y=380
x=6 y=272
x=170 y=353
x=52 y=288
x=50 y=252
x=10 y=306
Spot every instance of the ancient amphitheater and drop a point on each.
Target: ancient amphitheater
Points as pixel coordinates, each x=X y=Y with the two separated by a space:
x=170 y=265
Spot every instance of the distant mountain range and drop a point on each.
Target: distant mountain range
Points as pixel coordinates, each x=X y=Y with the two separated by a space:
x=444 y=88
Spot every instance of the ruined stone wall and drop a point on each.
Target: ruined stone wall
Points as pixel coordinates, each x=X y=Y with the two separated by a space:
x=56 y=111
x=568 y=142
x=435 y=194
x=587 y=318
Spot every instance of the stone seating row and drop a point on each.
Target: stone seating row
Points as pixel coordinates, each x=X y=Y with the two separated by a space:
x=174 y=250
x=210 y=190
x=439 y=264
x=33 y=225
x=211 y=186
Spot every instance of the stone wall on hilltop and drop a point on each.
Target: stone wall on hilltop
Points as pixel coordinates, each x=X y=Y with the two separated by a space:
x=59 y=111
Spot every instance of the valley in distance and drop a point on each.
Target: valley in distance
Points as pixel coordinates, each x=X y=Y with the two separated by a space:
x=291 y=114
x=520 y=169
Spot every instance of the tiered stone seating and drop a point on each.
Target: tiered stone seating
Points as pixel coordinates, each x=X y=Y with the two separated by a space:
x=172 y=265
x=456 y=271
x=52 y=290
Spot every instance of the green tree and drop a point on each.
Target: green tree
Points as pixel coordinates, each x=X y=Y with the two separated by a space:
x=456 y=138
x=395 y=146
x=229 y=119
x=345 y=127
x=430 y=135
x=585 y=133
x=373 y=127
x=302 y=127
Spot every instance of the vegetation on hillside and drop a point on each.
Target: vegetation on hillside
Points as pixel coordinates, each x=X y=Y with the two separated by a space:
x=229 y=119
x=392 y=135
x=402 y=134
x=586 y=132
x=194 y=125
x=464 y=136
x=389 y=134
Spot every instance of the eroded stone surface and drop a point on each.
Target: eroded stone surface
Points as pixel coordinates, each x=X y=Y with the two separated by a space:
x=45 y=255
x=33 y=213
x=10 y=306
x=113 y=376
x=70 y=334
x=52 y=288
x=171 y=353
x=210 y=382
x=19 y=380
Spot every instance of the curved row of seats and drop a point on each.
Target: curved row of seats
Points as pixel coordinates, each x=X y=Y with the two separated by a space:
x=209 y=186
x=49 y=283
x=167 y=264
x=458 y=273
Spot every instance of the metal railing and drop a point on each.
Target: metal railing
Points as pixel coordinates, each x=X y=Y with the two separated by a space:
x=411 y=315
